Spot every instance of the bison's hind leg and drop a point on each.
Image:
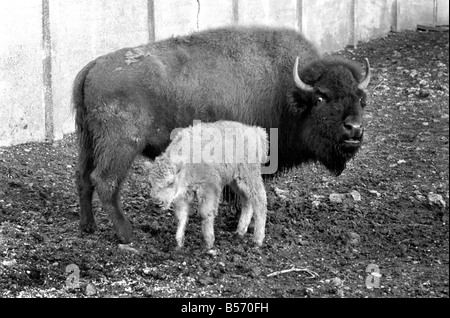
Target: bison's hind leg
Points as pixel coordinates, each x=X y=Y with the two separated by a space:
x=85 y=193
x=108 y=177
x=84 y=183
x=112 y=163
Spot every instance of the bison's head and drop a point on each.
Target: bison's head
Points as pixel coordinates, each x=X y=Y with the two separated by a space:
x=328 y=105
x=163 y=176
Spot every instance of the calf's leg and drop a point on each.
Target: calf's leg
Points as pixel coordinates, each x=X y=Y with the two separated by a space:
x=254 y=204
x=241 y=188
x=208 y=206
x=259 y=204
x=182 y=214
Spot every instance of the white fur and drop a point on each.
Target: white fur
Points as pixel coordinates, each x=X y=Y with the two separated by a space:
x=176 y=180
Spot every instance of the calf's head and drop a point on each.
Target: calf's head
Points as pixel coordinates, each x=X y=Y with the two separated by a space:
x=163 y=176
x=328 y=105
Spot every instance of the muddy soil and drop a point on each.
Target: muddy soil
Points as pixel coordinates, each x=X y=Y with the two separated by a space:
x=378 y=230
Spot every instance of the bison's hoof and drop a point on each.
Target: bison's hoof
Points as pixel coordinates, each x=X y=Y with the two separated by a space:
x=90 y=227
x=124 y=232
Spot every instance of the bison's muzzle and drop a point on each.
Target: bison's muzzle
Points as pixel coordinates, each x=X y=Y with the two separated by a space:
x=353 y=133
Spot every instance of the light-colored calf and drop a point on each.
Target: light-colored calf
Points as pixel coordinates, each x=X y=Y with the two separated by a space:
x=230 y=154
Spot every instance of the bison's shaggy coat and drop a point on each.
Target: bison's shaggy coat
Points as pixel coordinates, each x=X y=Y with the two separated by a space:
x=175 y=179
x=128 y=102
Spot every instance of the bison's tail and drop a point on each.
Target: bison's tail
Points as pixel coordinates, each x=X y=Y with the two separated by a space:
x=84 y=137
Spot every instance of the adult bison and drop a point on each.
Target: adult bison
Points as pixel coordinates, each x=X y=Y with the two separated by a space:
x=128 y=102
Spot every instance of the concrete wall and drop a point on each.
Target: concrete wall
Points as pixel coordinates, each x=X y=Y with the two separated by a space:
x=374 y=18
x=51 y=40
x=331 y=28
x=82 y=30
x=21 y=86
x=413 y=12
x=442 y=12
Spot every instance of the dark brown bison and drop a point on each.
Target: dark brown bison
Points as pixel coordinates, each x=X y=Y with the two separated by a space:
x=128 y=102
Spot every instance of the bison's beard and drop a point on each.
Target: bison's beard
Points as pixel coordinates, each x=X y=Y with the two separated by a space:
x=306 y=145
x=338 y=156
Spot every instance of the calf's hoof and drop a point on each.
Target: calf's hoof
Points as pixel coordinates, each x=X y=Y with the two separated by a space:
x=179 y=248
x=257 y=244
x=239 y=237
x=212 y=252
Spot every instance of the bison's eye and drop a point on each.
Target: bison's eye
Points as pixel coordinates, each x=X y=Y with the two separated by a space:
x=320 y=100
x=363 y=101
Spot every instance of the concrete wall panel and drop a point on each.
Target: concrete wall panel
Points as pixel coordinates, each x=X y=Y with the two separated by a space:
x=328 y=26
x=413 y=12
x=214 y=14
x=45 y=43
x=282 y=13
x=374 y=18
x=442 y=12
x=254 y=12
x=81 y=31
x=174 y=17
x=21 y=80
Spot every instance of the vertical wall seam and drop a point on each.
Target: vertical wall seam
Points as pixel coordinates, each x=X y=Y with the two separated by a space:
x=353 y=23
x=47 y=73
x=151 y=20
x=235 y=11
x=395 y=23
x=435 y=12
x=299 y=12
x=198 y=15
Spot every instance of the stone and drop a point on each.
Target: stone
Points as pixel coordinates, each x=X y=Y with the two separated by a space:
x=336 y=197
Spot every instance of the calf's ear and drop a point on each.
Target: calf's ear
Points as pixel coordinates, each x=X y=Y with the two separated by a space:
x=178 y=167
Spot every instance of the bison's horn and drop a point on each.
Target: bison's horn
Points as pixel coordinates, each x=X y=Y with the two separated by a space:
x=365 y=81
x=300 y=84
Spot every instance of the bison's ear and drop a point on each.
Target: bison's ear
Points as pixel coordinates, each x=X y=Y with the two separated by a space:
x=299 y=101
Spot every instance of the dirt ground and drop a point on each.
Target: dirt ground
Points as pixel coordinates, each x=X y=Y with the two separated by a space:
x=378 y=230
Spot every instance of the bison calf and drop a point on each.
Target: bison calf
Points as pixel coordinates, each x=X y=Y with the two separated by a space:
x=200 y=162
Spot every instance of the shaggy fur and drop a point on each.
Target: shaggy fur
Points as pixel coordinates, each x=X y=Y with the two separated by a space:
x=128 y=102
x=176 y=180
